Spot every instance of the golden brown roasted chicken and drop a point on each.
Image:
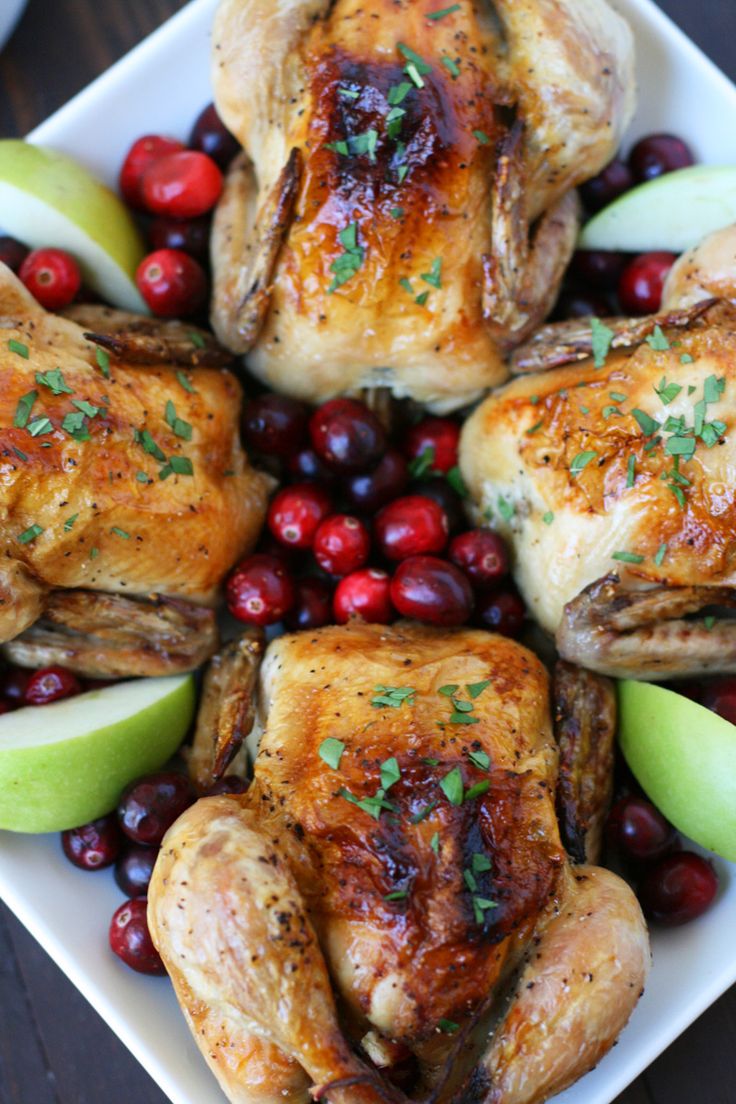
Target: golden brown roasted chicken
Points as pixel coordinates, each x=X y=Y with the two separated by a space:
x=613 y=478
x=389 y=909
x=125 y=494
x=404 y=208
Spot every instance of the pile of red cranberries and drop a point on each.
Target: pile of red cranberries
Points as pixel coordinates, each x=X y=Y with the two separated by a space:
x=366 y=525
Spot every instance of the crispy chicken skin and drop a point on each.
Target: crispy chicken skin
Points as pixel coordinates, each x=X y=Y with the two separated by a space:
x=413 y=910
x=466 y=179
x=82 y=502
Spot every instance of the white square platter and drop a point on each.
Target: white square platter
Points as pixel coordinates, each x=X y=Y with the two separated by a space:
x=160 y=87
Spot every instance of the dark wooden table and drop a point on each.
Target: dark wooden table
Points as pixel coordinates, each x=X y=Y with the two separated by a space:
x=54 y=1049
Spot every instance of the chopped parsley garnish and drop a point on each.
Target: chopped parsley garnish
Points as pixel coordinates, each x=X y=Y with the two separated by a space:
x=538 y=425
x=331 y=750
x=390 y=773
x=646 y=423
x=393 y=121
x=103 y=361
x=405 y=283
x=482 y=137
x=55 y=381
x=601 y=339
x=141 y=476
x=178 y=425
x=186 y=383
x=480 y=863
x=423 y=463
x=443 y=12
x=416 y=66
x=347 y=264
x=657 y=340
x=120 y=532
x=94 y=553
x=434 y=278
x=455 y=479
x=448 y=690
x=371 y=805
x=469 y=879
x=397 y=895
x=398 y=93
x=611 y=411
x=581 y=461
x=617 y=396
x=452 y=786
x=548 y=518
x=349 y=93
x=661 y=553
x=18 y=348
x=709 y=622
x=475 y=689
x=453 y=66
x=478 y=789
x=667 y=392
x=480 y=907
x=73 y=424
x=197 y=340
x=685 y=358
x=424 y=812
x=505 y=508
x=397 y=212
x=713 y=388
x=30 y=534
x=392 y=696
x=480 y=759
x=69 y=523
x=448 y=1026
x=631 y=471
x=86 y=407
x=627 y=557
x=176 y=465
x=19 y=453
x=24 y=408
x=434 y=843
x=143 y=437
x=422 y=298
x=39 y=426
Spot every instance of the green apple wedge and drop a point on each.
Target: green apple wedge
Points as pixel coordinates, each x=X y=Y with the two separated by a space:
x=684 y=757
x=47 y=199
x=672 y=213
x=64 y=764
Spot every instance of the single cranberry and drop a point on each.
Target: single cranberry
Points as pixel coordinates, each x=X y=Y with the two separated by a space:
x=641 y=283
x=191 y=236
x=305 y=466
x=93 y=845
x=296 y=513
x=230 y=784
x=275 y=424
x=134 y=868
x=150 y=805
x=481 y=554
x=608 y=185
x=658 y=154
x=581 y=304
x=52 y=276
x=432 y=590
x=369 y=491
x=411 y=526
x=211 y=136
x=14 y=684
x=639 y=830
x=679 y=888
x=347 y=435
x=260 y=590
x=312 y=604
x=720 y=695
x=341 y=544
x=501 y=611
x=12 y=252
x=599 y=268
x=142 y=154
x=182 y=185
x=172 y=283
x=445 y=496
x=366 y=594
x=434 y=440
x=130 y=938
x=51 y=684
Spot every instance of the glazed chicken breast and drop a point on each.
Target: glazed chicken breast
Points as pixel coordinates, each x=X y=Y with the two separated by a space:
x=389 y=909
x=613 y=479
x=404 y=209
x=125 y=494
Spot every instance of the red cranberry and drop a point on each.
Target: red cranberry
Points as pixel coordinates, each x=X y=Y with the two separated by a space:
x=436 y=439
x=306 y=466
x=432 y=590
x=639 y=830
x=131 y=940
x=182 y=185
x=312 y=605
x=658 y=154
x=230 y=784
x=50 y=684
x=150 y=805
x=211 y=136
x=501 y=611
x=341 y=544
x=364 y=594
x=608 y=185
x=445 y=496
x=52 y=276
x=275 y=424
x=720 y=696
x=134 y=868
x=172 y=283
x=14 y=684
x=296 y=513
x=140 y=156
x=481 y=554
x=369 y=491
x=260 y=590
x=12 y=252
x=191 y=236
x=641 y=283
x=599 y=268
x=93 y=845
x=582 y=304
x=347 y=435
x=678 y=889
x=411 y=526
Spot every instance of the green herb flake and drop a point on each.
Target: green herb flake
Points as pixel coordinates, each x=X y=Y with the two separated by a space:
x=478 y=789
x=413 y=58
x=469 y=879
x=434 y=277
x=39 y=426
x=421 y=299
x=611 y=412
x=480 y=906
x=713 y=388
x=390 y=773
x=709 y=622
x=667 y=392
x=646 y=423
x=617 y=396
x=29 y=534
x=143 y=437
x=448 y=690
x=348 y=93
x=431 y=762
x=141 y=476
x=481 y=137
x=197 y=339
x=423 y=463
x=371 y=805
x=661 y=553
x=405 y=283
x=627 y=557
x=657 y=340
x=475 y=689
x=340 y=146
x=480 y=759
x=601 y=340
x=424 y=812
x=449 y=1027
x=452 y=786
x=392 y=696
x=186 y=383
x=103 y=361
x=434 y=843
x=685 y=358
x=18 y=348
x=69 y=523
x=680 y=446
x=548 y=518
x=505 y=508
x=120 y=532
x=55 y=381
x=451 y=65
x=398 y=93
x=19 y=453
x=631 y=471
x=581 y=461
x=94 y=553
x=443 y=12
x=536 y=427
x=331 y=750
x=348 y=263
x=86 y=407
x=24 y=408
x=397 y=212
x=480 y=863
x=177 y=465
x=455 y=479
x=397 y=895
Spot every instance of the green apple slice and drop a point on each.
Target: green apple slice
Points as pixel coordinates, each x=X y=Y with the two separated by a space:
x=47 y=199
x=684 y=757
x=64 y=764
x=672 y=213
